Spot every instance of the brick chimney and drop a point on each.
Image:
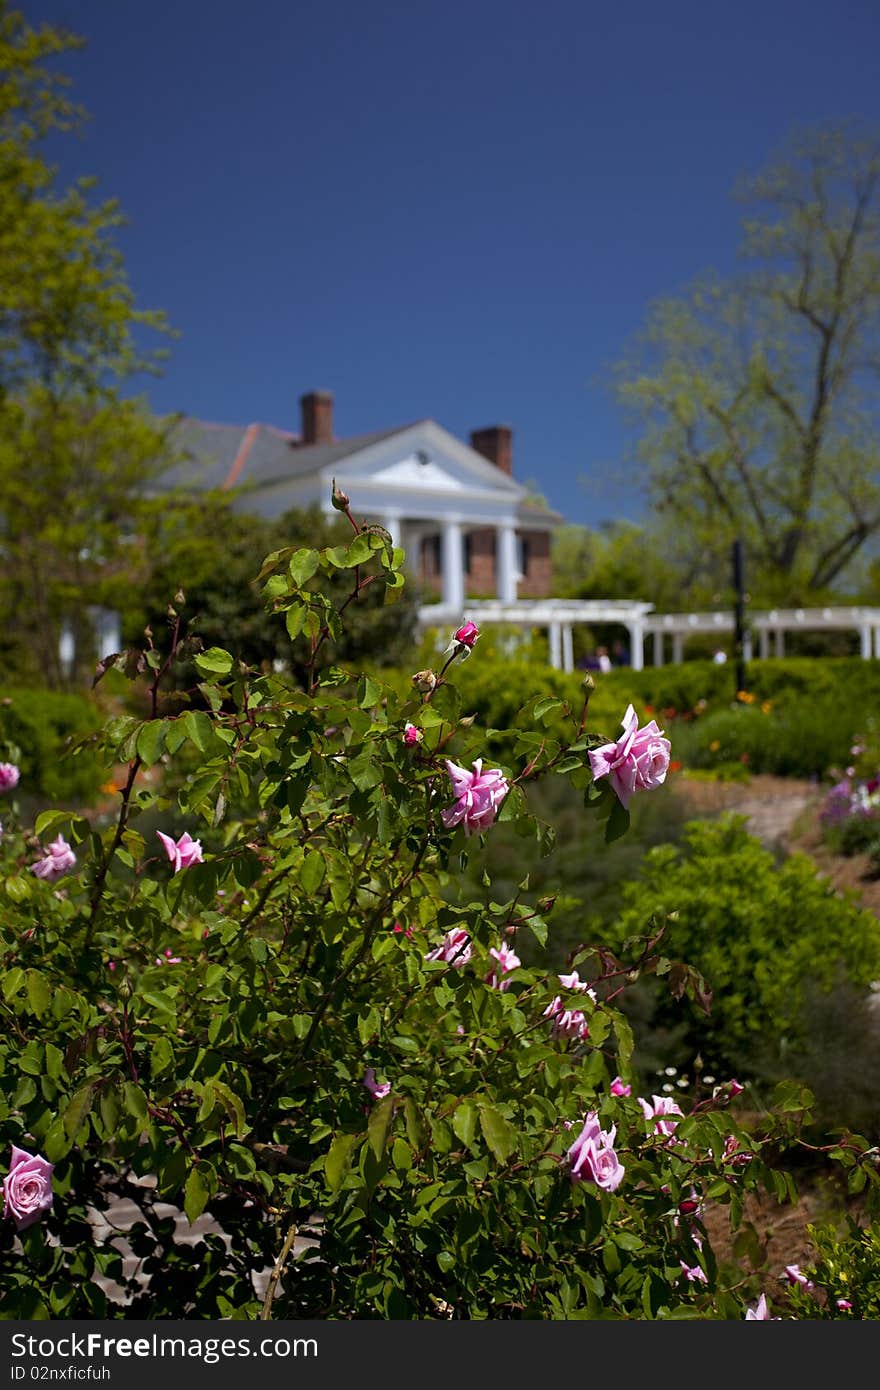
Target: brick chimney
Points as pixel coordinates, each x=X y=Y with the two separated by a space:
x=316 y=414
x=494 y=443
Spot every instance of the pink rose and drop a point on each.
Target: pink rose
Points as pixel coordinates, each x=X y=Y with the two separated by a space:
x=478 y=796
x=759 y=1313
x=182 y=852
x=377 y=1089
x=573 y=981
x=695 y=1274
x=844 y=1305
x=507 y=960
x=9 y=775
x=567 y=1023
x=794 y=1276
x=167 y=958
x=455 y=948
x=619 y=1088
x=592 y=1155
x=638 y=761
x=27 y=1188
x=56 y=861
x=662 y=1105
x=400 y=930
x=467 y=635
x=411 y=735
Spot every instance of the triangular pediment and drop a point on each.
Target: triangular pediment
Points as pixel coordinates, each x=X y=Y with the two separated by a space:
x=426 y=457
x=418 y=470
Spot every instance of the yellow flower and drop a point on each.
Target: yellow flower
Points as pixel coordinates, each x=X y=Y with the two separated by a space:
x=766 y=707
x=714 y=745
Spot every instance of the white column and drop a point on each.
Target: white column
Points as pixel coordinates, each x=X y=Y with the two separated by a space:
x=865 y=634
x=453 y=567
x=555 y=634
x=877 y=641
x=505 y=564
x=636 y=631
x=779 y=644
x=677 y=648
x=658 y=647
x=567 y=648
x=747 y=646
x=764 y=643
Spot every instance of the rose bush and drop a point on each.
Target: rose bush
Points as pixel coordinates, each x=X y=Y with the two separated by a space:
x=294 y=1025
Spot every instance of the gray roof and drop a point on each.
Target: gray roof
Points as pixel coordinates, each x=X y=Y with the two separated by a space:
x=256 y=456
x=225 y=456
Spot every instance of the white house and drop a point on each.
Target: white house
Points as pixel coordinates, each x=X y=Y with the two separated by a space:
x=468 y=528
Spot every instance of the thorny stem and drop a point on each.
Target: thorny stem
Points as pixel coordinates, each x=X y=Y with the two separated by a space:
x=134 y=768
x=277 y=1271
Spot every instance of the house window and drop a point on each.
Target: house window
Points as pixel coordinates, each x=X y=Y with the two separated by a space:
x=522 y=556
x=431 y=557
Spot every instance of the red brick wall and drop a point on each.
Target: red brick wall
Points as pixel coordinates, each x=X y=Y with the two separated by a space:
x=538 y=581
x=480 y=577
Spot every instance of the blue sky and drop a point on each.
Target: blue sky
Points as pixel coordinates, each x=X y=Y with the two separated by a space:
x=444 y=209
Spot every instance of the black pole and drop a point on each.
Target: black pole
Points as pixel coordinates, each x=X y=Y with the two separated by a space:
x=739 y=610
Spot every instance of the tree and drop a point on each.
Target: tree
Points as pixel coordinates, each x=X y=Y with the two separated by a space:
x=213 y=554
x=621 y=560
x=757 y=396
x=74 y=455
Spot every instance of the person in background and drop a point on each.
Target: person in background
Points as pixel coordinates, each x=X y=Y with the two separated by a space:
x=619 y=653
x=603 y=659
x=719 y=656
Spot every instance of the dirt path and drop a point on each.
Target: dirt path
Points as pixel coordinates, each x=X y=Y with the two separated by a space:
x=783 y=813
x=774 y=806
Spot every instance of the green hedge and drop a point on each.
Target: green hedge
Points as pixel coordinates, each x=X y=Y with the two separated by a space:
x=35 y=728
x=816 y=707
x=788 y=959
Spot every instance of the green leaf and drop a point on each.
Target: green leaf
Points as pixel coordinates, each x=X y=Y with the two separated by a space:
x=379 y=1125
x=38 y=992
x=199 y=730
x=150 y=743
x=12 y=981
x=359 y=551
x=77 y=1111
x=303 y=565
x=546 y=706
x=196 y=1195
x=338 y=1160
x=214 y=662
x=498 y=1134
x=312 y=872
x=464 y=1122
x=17 y=888
x=617 y=823
x=50 y=820
x=415 y=1128
x=294 y=619
x=369 y=693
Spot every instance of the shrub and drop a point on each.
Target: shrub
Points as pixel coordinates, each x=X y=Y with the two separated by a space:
x=773 y=941
x=789 y=741
x=844 y=1273
x=296 y=1024
x=37 y=729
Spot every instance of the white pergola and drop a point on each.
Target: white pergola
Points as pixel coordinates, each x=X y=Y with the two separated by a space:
x=771 y=625
x=559 y=617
